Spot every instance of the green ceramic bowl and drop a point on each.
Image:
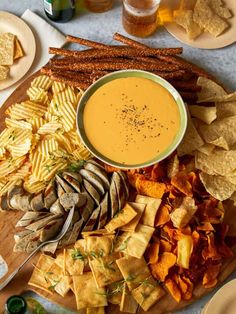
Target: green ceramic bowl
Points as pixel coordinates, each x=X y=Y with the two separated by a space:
x=124 y=74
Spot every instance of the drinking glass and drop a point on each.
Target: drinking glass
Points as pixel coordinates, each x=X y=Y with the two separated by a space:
x=98 y=6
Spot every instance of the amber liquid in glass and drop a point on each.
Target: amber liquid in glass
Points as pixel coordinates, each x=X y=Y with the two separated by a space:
x=98 y=6
x=140 y=17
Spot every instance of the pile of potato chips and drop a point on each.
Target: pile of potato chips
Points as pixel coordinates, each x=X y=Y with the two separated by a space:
x=10 y=50
x=197 y=16
x=40 y=137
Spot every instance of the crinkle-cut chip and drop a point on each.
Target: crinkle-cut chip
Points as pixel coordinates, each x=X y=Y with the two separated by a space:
x=210 y=276
x=220 y=142
x=225 y=128
x=18 y=124
x=209 y=90
x=4 y=71
x=217 y=186
x=184 y=250
x=191 y=141
x=67 y=95
x=81 y=153
x=225 y=109
x=36 y=123
x=8 y=185
x=49 y=128
x=7 y=48
x=73 y=136
x=18 y=136
x=50 y=167
x=134 y=270
x=59 y=282
x=220 y=162
x=173 y=166
x=148 y=293
x=181 y=215
x=42 y=81
x=173 y=289
x=18 y=150
x=58 y=87
x=35 y=187
x=38 y=95
x=64 y=142
x=2 y=153
x=11 y=164
x=6 y=136
x=35 y=138
x=218 y=7
x=137 y=242
x=105 y=269
x=53 y=107
x=47 y=147
x=87 y=294
x=161 y=269
x=121 y=218
x=206 y=149
x=68 y=115
x=205 y=114
x=21 y=172
x=50 y=117
x=26 y=110
x=37 y=159
x=151 y=209
x=184 y=18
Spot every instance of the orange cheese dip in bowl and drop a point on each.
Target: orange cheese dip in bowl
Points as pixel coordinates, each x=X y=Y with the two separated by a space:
x=131 y=119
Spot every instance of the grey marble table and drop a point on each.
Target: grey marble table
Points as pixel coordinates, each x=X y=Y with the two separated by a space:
x=100 y=27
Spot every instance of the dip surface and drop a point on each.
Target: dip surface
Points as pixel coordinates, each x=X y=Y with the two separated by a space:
x=131 y=120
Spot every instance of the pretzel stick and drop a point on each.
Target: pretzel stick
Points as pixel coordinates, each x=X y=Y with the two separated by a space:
x=190 y=85
x=119 y=51
x=85 y=77
x=129 y=42
x=86 y=42
x=188 y=96
x=171 y=75
x=70 y=82
x=46 y=70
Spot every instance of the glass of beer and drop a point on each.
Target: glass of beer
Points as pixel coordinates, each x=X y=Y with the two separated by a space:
x=98 y=6
x=140 y=18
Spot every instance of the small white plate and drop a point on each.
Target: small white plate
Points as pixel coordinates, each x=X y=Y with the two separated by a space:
x=10 y=23
x=205 y=40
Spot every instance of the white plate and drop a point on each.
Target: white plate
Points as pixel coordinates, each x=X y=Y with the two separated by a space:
x=13 y=24
x=205 y=40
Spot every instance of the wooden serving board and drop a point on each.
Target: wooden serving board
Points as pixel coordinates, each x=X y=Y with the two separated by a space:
x=8 y=221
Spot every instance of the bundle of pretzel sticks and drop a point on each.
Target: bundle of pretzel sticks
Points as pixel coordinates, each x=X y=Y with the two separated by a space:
x=82 y=68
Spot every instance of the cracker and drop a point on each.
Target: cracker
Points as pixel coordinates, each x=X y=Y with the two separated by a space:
x=7 y=49
x=184 y=18
x=4 y=70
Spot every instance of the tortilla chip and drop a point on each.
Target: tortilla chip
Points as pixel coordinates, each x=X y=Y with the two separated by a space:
x=209 y=90
x=210 y=276
x=161 y=269
x=150 y=188
x=87 y=293
x=152 y=253
x=131 y=226
x=105 y=270
x=18 y=51
x=173 y=166
x=220 y=142
x=225 y=109
x=173 y=289
x=137 y=241
x=206 y=149
x=225 y=128
x=184 y=250
x=218 y=7
x=124 y=216
x=163 y=215
x=152 y=206
x=134 y=270
x=191 y=141
x=59 y=282
x=148 y=293
x=4 y=71
x=180 y=182
x=184 y=18
x=6 y=48
x=181 y=215
x=205 y=114
x=217 y=186
x=220 y=162
x=128 y=303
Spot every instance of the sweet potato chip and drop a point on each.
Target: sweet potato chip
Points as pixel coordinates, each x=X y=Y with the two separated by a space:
x=173 y=289
x=184 y=250
x=186 y=294
x=157 y=172
x=210 y=276
x=165 y=246
x=161 y=269
x=210 y=251
x=180 y=182
x=152 y=253
x=150 y=188
x=206 y=226
x=162 y=216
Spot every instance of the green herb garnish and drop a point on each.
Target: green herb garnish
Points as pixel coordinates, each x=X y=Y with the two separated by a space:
x=75 y=166
x=124 y=244
x=77 y=255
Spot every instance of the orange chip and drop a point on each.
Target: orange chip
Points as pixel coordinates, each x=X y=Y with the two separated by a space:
x=165 y=246
x=210 y=276
x=210 y=251
x=189 y=293
x=163 y=215
x=173 y=289
x=153 y=253
x=180 y=181
x=109 y=168
x=206 y=226
x=196 y=238
x=150 y=188
x=161 y=269
x=132 y=177
x=157 y=172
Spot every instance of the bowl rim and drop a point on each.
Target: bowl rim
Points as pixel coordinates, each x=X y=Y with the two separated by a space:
x=124 y=74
